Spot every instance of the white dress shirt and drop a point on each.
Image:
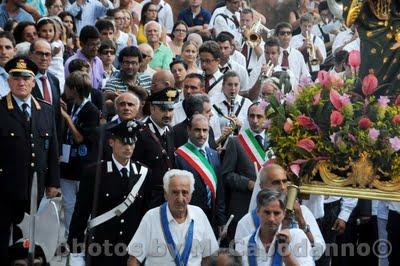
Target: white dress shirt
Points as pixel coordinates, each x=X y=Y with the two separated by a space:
x=165 y=15
x=219 y=99
x=296 y=63
x=240 y=70
x=28 y=101
x=218 y=86
x=159 y=129
x=298 y=40
x=4 y=87
x=149 y=242
x=344 y=37
x=346 y=206
x=246 y=227
x=221 y=24
x=239 y=58
x=299 y=247
x=120 y=166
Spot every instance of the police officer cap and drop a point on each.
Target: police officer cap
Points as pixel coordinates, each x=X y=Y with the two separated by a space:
x=21 y=66
x=165 y=98
x=126 y=131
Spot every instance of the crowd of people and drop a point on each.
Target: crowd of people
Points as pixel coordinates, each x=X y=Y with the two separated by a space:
x=152 y=129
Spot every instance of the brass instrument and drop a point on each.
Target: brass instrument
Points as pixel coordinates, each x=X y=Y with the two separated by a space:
x=231 y=105
x=291 y=198
x=312 y=55
x=268 y=73
x=232 y=125
x=253 y=35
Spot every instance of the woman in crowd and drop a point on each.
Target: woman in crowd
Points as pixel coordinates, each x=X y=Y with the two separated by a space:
x=107 y=55
x=178 y=36
x=71 y=39
x=25 y=31
x=122 y=39
x=54 y=7
x=80 y=140
x=149 y=13
x=189 y=57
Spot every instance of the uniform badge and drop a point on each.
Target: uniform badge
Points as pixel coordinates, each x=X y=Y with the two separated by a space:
x=82 y=150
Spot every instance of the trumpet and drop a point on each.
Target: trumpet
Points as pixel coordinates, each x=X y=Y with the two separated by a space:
x=268 y=72
x=253 y=35
x=312 y=55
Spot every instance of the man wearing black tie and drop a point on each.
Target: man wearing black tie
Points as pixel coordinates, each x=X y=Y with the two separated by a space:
x=242 y=154
x=156 y=140
x=47 y=86
x=28 y=144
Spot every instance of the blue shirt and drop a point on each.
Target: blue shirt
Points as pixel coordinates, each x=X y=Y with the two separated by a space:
x=22 y=15
x=88 y=13
x=4 y=87
x=202 y=18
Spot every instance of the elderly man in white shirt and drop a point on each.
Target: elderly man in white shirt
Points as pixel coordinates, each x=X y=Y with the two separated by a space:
x=273 y=176
x=165 y=15
x=175 y=233
x=230 y=103
x=273 y=241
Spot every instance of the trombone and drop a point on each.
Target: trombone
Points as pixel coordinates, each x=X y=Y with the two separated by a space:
x=312 y=55
x=267 y=73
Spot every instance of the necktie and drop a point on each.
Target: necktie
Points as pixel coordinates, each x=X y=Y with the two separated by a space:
x=285 y=59
x=259 y=140
x=46 y=92
x=244 y=50
x=203 y=153
x=207 y=80
x=125 y=180
x=25 y=112
x=223 y=70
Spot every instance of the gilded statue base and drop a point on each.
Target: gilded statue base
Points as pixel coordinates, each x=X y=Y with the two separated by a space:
x=360 y=180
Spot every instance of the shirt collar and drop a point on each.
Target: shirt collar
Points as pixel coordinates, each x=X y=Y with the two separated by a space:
x=120 y=166
x=238 y=98
x=160 y=130
x=3 y=72
x=172 y=219
x=20 y=102
x=203 y=147
x=262 y=133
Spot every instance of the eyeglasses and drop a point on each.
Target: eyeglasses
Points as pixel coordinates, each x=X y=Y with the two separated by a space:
x=180 y=30
x=42 y=54
x=208 y=61
x=288 y=33
x=108 y=52
x=145 y=56
x=127 y=63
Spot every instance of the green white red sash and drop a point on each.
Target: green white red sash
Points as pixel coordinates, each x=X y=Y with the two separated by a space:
x=252 y=147
x=195 y=159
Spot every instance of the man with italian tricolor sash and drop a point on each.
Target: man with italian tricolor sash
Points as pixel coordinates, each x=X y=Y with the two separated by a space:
x=243 y=154
x=203 y=162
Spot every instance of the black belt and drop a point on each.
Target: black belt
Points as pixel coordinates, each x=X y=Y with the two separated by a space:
x=331 y=204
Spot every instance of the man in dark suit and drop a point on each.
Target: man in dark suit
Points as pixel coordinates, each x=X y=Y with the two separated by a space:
x=204 y=164
x=47 y=86
x=155 y=140
x=238 y=166
x=195 y=104
x=121 y=180
x=28 y=144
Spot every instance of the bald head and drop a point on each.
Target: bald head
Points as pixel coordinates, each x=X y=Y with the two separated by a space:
x=198 y=130
x=273 y=176
x=38 y=49
x=162 y=79
x=127 y=106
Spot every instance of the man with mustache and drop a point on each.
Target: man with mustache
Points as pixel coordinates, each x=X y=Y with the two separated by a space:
x=196 y=157
x=156 y=140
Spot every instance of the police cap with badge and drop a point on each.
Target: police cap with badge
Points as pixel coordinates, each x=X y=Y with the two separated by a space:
x=21 y=66
x=126 y=131
x=164 y=98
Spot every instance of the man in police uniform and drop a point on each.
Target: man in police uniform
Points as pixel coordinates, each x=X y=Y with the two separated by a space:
x=122 y=191
x=156 y=140
x=28 y=144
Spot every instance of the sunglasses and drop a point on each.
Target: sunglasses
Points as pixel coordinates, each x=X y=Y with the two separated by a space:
x=281 y=33
x=106 y=52
x=145 y=56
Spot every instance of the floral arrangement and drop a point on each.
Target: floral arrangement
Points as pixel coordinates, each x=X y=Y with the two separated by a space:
x=330 y=121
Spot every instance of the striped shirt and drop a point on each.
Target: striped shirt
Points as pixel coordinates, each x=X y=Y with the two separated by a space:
x=115 y=83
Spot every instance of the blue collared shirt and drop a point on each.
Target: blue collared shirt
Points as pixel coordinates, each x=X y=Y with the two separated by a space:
x=27 y=101
x=4 y=87
x=22 y=15
x=202 y=18
x=97 y=69
x=89 y=12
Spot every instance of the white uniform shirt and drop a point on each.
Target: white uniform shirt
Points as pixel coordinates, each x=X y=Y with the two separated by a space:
x=246 y=227
x=239 y=58
x=219 y=99
x=165 y=15
x=298 y=40
x=344 y=37
x=240 y=70
x=346 y=206
x=149 y=242
x=220 y=23
x=217 y=88
x=299 y=246
x=296 y=63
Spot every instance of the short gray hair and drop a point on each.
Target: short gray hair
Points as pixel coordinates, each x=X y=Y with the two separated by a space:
x=151 y=23
x=265 y=171
x=126 y=93
x=176 y=172
x=266 y=196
